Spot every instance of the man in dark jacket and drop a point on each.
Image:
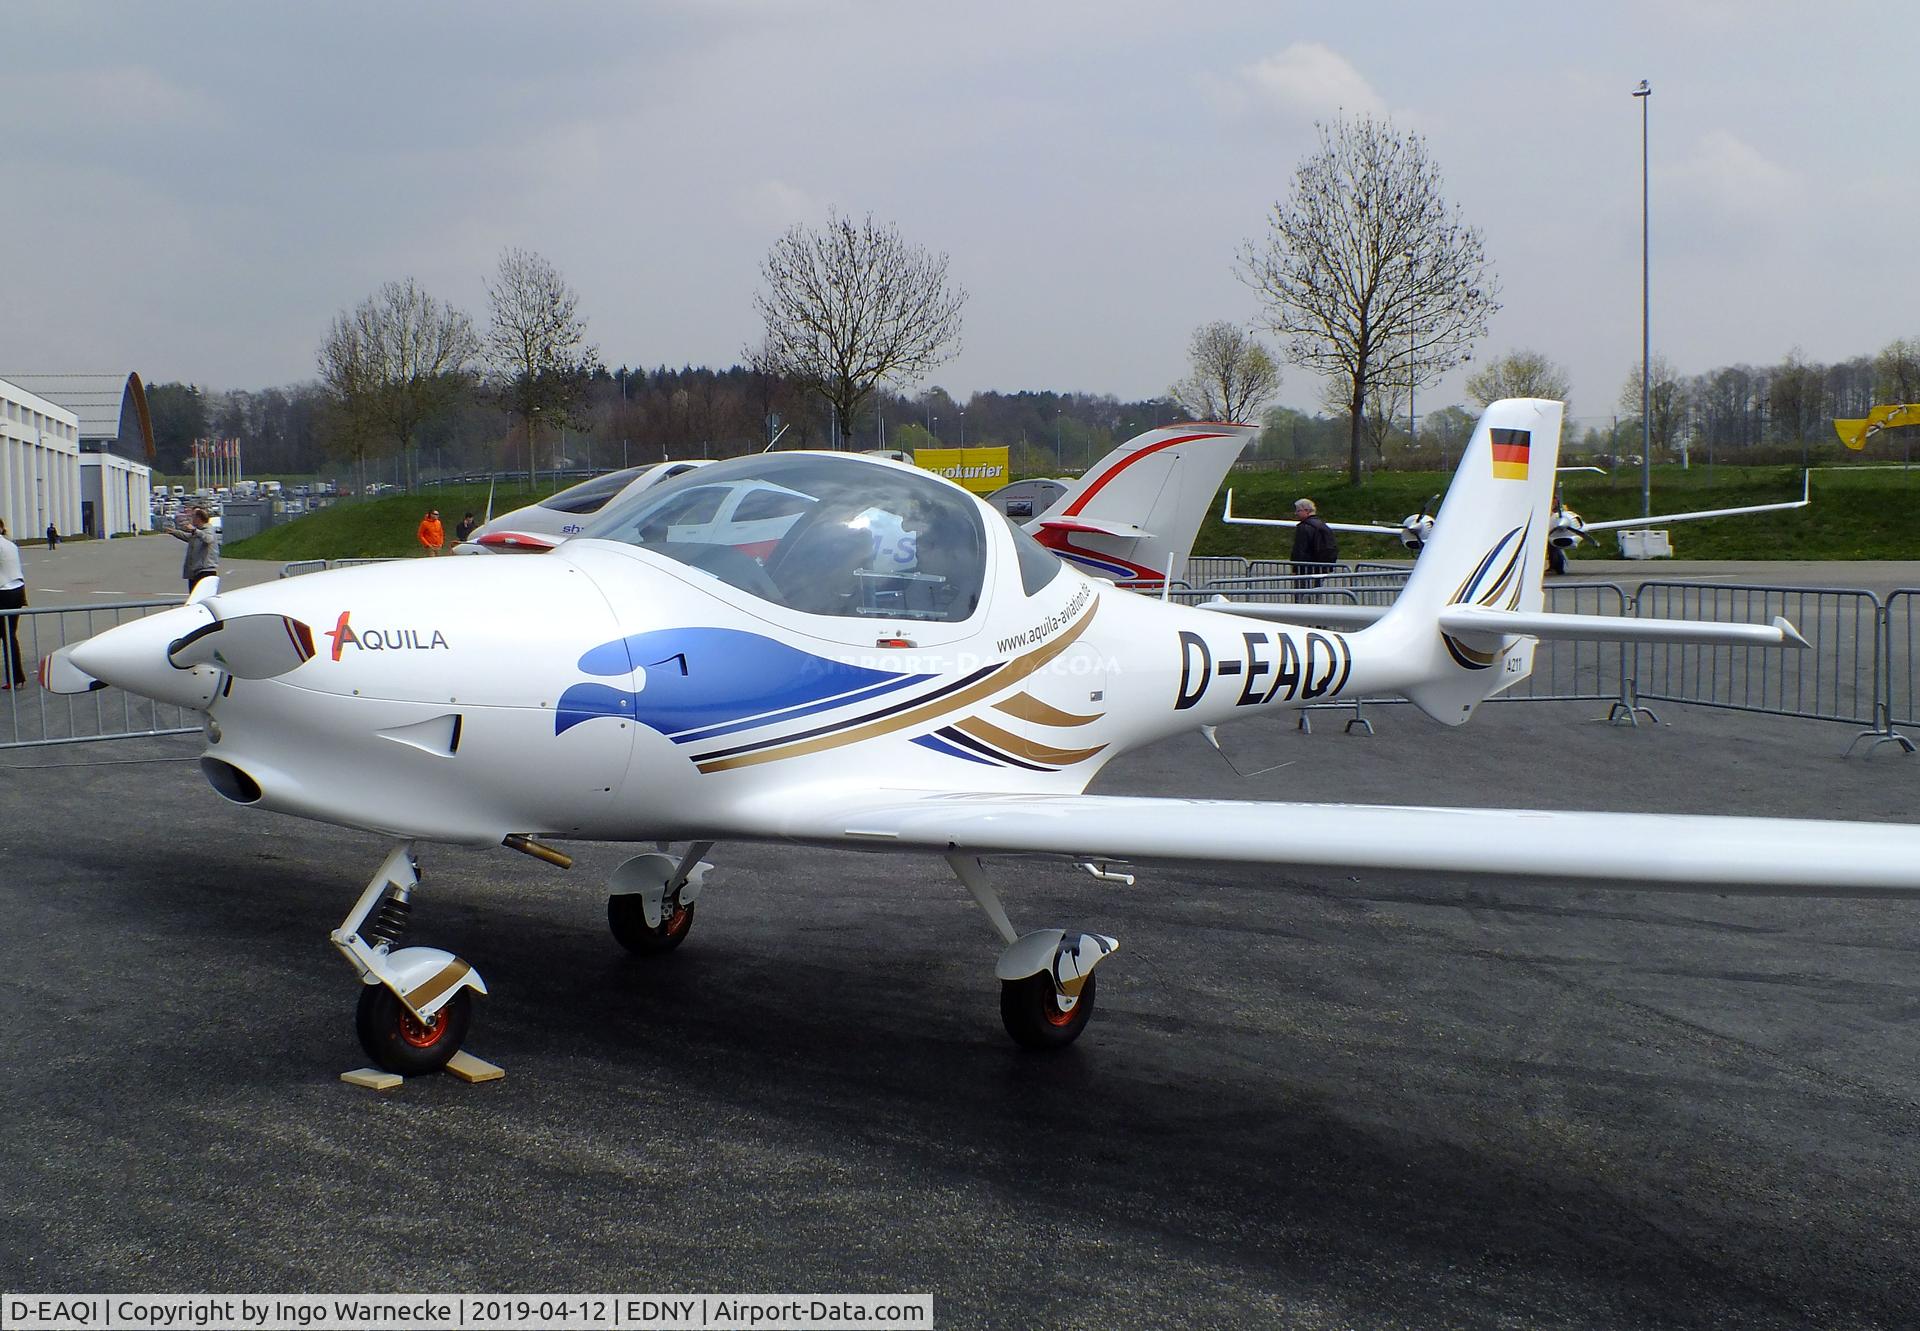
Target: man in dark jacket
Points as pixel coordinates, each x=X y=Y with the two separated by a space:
x=1315 y=551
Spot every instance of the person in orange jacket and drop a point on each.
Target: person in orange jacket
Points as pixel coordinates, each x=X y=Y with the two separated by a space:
x=432 y=534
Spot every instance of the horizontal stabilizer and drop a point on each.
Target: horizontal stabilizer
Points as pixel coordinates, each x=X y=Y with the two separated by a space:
x=1333 y=615
x=1483 y=622
x=1545 y=625
x=247 y=647
x=1096 y=525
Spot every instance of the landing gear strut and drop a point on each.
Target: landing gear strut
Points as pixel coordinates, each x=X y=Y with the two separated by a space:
x=418 y=1001
x=1046 y=977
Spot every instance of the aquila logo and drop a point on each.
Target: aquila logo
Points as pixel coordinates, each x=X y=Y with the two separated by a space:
x=383 y=640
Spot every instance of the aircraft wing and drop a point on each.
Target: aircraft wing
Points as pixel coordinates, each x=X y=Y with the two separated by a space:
x=1759 y=855
x=1806 y=497
x=1227 y=515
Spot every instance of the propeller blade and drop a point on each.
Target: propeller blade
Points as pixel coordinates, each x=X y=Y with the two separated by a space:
x=58 y=674
x=247 y=647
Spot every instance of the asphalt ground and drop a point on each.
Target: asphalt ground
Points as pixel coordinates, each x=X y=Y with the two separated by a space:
x=1307 y=1099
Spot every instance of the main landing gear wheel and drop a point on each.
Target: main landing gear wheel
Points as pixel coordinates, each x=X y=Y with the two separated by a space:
x=400 y=1042
x=627 y=917
x=1033 y=1015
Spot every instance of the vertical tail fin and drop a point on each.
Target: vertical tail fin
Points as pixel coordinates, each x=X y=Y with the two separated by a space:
x=1488 y=549
x=1141 y=505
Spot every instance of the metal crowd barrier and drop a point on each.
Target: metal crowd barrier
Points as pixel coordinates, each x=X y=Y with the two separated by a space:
x=1899 y=689
x=1838 y=680
x=32 y=716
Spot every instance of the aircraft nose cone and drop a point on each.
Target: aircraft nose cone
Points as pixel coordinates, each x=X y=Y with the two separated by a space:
x=133 y=656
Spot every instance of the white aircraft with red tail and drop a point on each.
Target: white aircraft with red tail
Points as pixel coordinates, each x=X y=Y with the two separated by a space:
x=899 y=668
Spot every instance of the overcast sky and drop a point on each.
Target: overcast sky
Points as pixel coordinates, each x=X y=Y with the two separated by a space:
x=193 y=190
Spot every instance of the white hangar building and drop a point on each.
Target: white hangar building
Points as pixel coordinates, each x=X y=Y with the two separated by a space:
x=79 y=445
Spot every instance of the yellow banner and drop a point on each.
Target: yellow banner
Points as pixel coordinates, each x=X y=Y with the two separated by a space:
x=981 y=470
x=1854 y=434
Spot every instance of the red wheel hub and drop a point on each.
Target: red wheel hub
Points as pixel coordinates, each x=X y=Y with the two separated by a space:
x=422 y=1035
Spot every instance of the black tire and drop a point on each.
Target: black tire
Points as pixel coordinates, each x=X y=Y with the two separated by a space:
x=627 y=917
x=397 y=1041
x=1032 y=1012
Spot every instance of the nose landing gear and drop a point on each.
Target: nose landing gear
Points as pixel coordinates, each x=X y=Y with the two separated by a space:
x=418 y=1001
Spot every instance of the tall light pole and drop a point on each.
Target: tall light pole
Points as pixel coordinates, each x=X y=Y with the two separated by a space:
x=1645 y=93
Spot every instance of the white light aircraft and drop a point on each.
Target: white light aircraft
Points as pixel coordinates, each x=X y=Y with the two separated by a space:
x=1565 y=528
x=901 y=670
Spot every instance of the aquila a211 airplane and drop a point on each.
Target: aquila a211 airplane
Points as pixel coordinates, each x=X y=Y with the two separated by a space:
x=901 y=669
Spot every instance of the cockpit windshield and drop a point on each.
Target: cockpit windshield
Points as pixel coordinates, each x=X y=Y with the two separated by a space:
x=821 y=534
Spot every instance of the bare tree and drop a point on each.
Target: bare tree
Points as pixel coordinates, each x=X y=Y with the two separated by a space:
x=1367 y=273
x=536 y=346
x=347 y=371
x=1896 y=372
x=850 y=305
x=1796 y=398
x=405 y=357
x=1232 y=376
x=1667 y=402
x=1519 y=374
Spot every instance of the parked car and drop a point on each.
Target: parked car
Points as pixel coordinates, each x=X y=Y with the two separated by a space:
x=539 y=527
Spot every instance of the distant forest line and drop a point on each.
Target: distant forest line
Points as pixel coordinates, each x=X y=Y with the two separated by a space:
x=1778 y=413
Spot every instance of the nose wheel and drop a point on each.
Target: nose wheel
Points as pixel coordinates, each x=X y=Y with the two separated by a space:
x=416 y=1003
x=400 y=1042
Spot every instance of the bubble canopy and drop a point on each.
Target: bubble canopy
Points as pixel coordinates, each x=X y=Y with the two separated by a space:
x=820 y=533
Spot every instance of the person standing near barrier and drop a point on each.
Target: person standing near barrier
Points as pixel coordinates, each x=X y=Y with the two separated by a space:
x=463 y=530
x=1315 y=548
x=432 y=534
x=13 y=596
x=203 y=548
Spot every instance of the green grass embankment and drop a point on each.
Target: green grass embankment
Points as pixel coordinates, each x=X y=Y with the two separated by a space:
x=1855 y=514
x=372 y=528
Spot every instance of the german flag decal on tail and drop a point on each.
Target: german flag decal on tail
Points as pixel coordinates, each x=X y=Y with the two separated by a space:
x=1510 y=454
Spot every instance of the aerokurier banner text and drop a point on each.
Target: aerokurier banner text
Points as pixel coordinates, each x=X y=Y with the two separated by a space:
x=981 y=470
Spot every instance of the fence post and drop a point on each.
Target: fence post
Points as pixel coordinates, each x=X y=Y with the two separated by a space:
x=1882 y=731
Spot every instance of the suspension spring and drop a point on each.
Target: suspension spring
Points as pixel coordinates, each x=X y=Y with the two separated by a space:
x=389 y=922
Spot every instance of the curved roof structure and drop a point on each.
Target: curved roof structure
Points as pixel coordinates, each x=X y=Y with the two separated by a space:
x=112 y=408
